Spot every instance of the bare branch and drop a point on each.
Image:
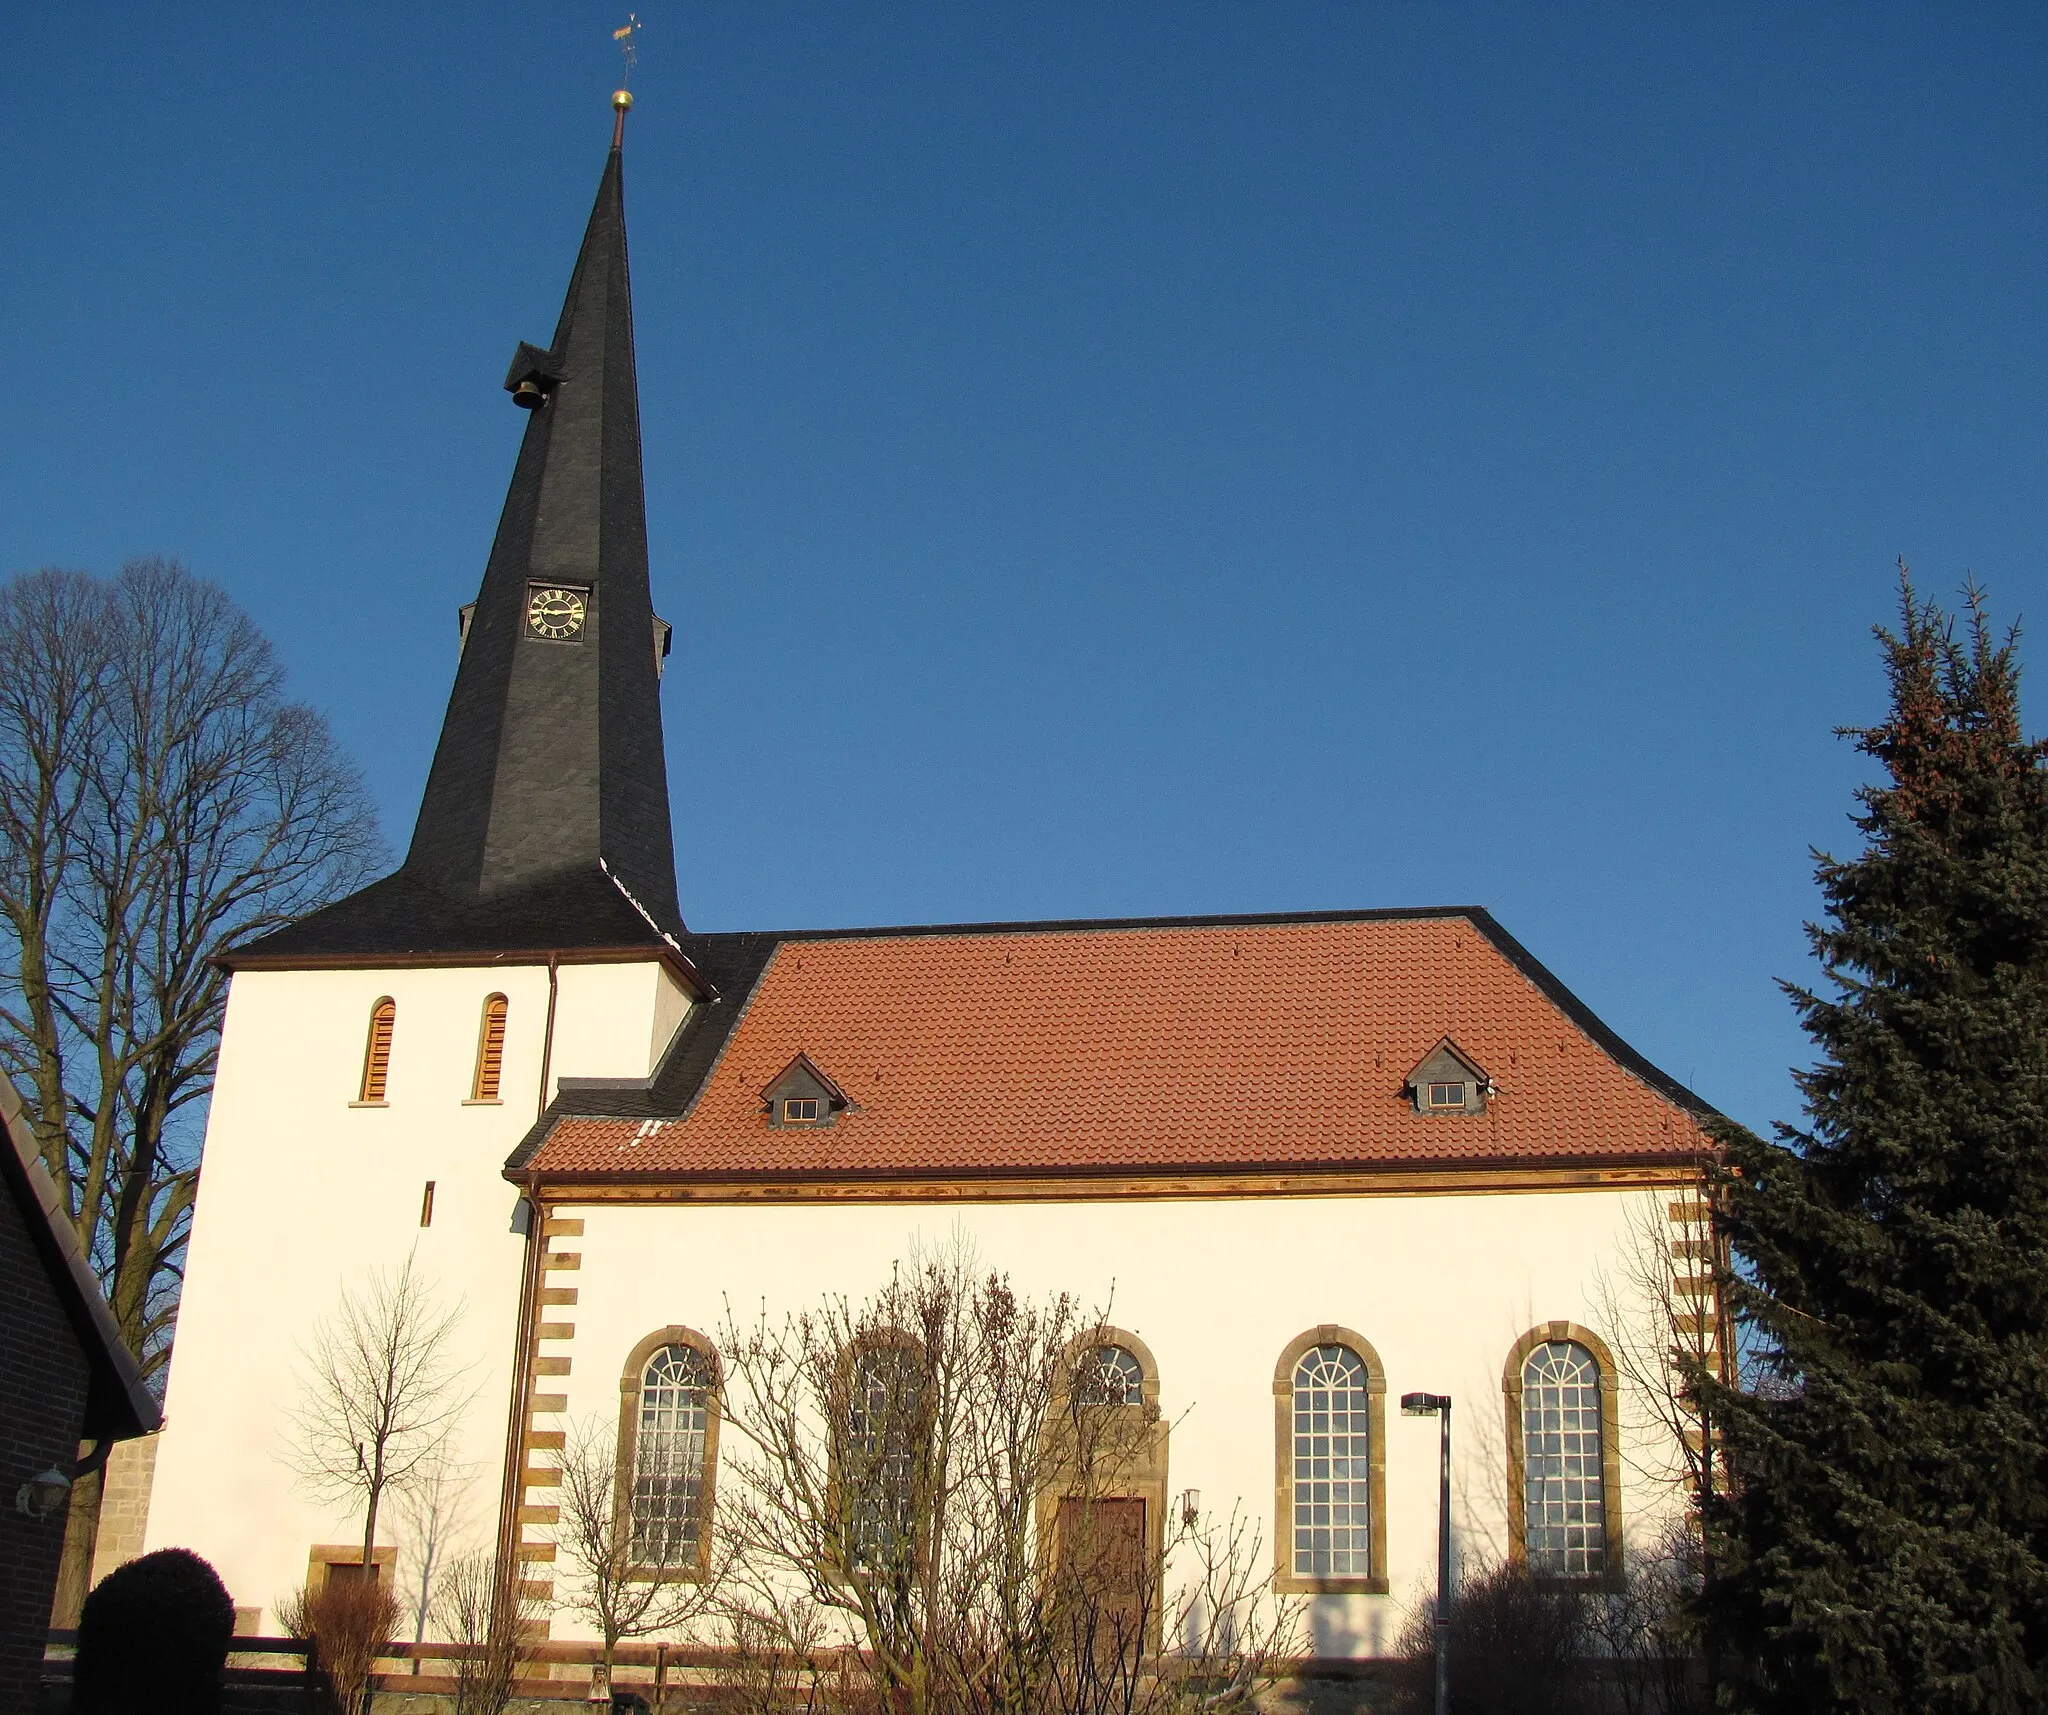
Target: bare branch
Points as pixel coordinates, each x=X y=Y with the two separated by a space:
x=381 y=1395
x=159 y=800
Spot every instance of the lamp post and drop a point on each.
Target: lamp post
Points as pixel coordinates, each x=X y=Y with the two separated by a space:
x=1438 y=1405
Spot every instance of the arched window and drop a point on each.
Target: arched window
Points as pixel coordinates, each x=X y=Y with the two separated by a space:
x=1329 y=1396
x=490 y=1051
x=1109 y=1375
x=1332 y=1520
x=1564 y=1479
x=1102 y=1504
x=877 y=1467
x=669 y=1440
x=377 y=1055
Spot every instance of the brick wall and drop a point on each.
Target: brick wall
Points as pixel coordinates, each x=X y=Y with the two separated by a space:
x=42 y=1405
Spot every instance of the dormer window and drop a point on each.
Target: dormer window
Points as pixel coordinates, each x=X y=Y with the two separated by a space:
x=803 y=1097
x=1449 y=1081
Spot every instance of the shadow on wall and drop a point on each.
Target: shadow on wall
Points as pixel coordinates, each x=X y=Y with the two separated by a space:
x=1336 y=1634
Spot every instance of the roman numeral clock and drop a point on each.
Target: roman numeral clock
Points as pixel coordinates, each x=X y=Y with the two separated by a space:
x=556 y=614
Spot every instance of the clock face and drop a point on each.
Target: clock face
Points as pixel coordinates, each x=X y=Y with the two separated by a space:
x=556 y=614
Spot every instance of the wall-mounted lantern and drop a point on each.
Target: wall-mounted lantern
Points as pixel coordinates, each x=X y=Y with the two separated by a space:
x=40 y=1497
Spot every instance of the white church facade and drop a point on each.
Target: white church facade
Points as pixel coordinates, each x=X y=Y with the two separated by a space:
x=1308 y=1163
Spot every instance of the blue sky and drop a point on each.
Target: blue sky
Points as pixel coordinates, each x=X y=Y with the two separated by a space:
x=1108 y=459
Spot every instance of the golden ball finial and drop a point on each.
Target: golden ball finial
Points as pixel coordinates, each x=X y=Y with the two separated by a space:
x=622 y=99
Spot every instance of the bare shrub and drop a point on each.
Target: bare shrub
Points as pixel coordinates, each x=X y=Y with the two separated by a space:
x=774 y=1660
x=497 y=1635
x=1649 y=1629
x=350 y=1622
x=628 y=1581
x=1516 y=1647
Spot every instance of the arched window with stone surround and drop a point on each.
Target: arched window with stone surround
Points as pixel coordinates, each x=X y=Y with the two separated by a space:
x=1109 y=1374
x=1564 y=1488
x=1102 y=1502
x=879 y=1457
x=669 y=1443
x=1329 y=1424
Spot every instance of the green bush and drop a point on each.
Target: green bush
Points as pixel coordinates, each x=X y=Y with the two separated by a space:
x=154 y=1636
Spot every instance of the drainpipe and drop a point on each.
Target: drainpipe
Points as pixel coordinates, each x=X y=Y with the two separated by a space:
x=513 y=1489
x=547 y=1041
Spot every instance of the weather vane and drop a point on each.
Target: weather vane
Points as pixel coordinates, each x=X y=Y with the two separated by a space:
x=624 y=37
x=622 y=97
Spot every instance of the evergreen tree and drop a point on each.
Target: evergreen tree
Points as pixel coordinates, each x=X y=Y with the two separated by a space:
x=1885 y=1543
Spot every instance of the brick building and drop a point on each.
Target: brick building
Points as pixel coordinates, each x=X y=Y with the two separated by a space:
x=65 y=1378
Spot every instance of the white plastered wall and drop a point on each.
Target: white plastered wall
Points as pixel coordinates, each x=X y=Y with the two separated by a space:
x=613 y=1021
x=1442 y=1286
x=304 y=1194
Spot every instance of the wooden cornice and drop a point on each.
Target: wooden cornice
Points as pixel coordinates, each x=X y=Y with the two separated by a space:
x=612 y=1188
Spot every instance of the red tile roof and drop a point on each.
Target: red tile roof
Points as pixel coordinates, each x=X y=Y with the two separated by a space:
x=1271 y=1046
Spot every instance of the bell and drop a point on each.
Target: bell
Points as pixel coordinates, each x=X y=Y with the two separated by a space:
x=529 y=395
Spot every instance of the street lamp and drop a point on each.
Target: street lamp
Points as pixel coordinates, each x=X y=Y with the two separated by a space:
x=1438 y=1405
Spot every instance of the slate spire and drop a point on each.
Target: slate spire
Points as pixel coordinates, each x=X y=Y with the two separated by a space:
x=545 y=822
x=550 y=759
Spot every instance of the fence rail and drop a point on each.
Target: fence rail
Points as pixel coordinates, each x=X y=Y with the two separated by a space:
x=567 y=1664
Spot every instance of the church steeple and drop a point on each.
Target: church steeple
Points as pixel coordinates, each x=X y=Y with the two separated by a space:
x=545 y=822
x=551 y=759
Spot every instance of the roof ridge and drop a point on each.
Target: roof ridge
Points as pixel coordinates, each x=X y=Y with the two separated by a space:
x=1055 y=925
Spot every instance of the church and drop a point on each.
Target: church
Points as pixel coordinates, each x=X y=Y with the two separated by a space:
x=1308 y=1161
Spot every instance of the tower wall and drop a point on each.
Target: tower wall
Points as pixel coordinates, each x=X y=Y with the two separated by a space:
x=308 y=1192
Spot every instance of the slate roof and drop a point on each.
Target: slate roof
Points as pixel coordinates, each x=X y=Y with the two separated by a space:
x=118 y=1405
x=1165 y=1045
x=402 y=919
x=548 y=779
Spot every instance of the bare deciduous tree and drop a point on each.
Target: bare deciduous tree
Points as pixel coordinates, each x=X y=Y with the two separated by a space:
x=942 y=1475
x=627 y=1580
x=1203 y=1631
x=381 y=1395
x=160 y=799
x=1658 y=1299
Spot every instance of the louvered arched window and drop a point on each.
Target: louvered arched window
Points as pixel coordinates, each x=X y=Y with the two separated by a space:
x=670 y=1444
x=377 y=1056
x=490 y=1051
